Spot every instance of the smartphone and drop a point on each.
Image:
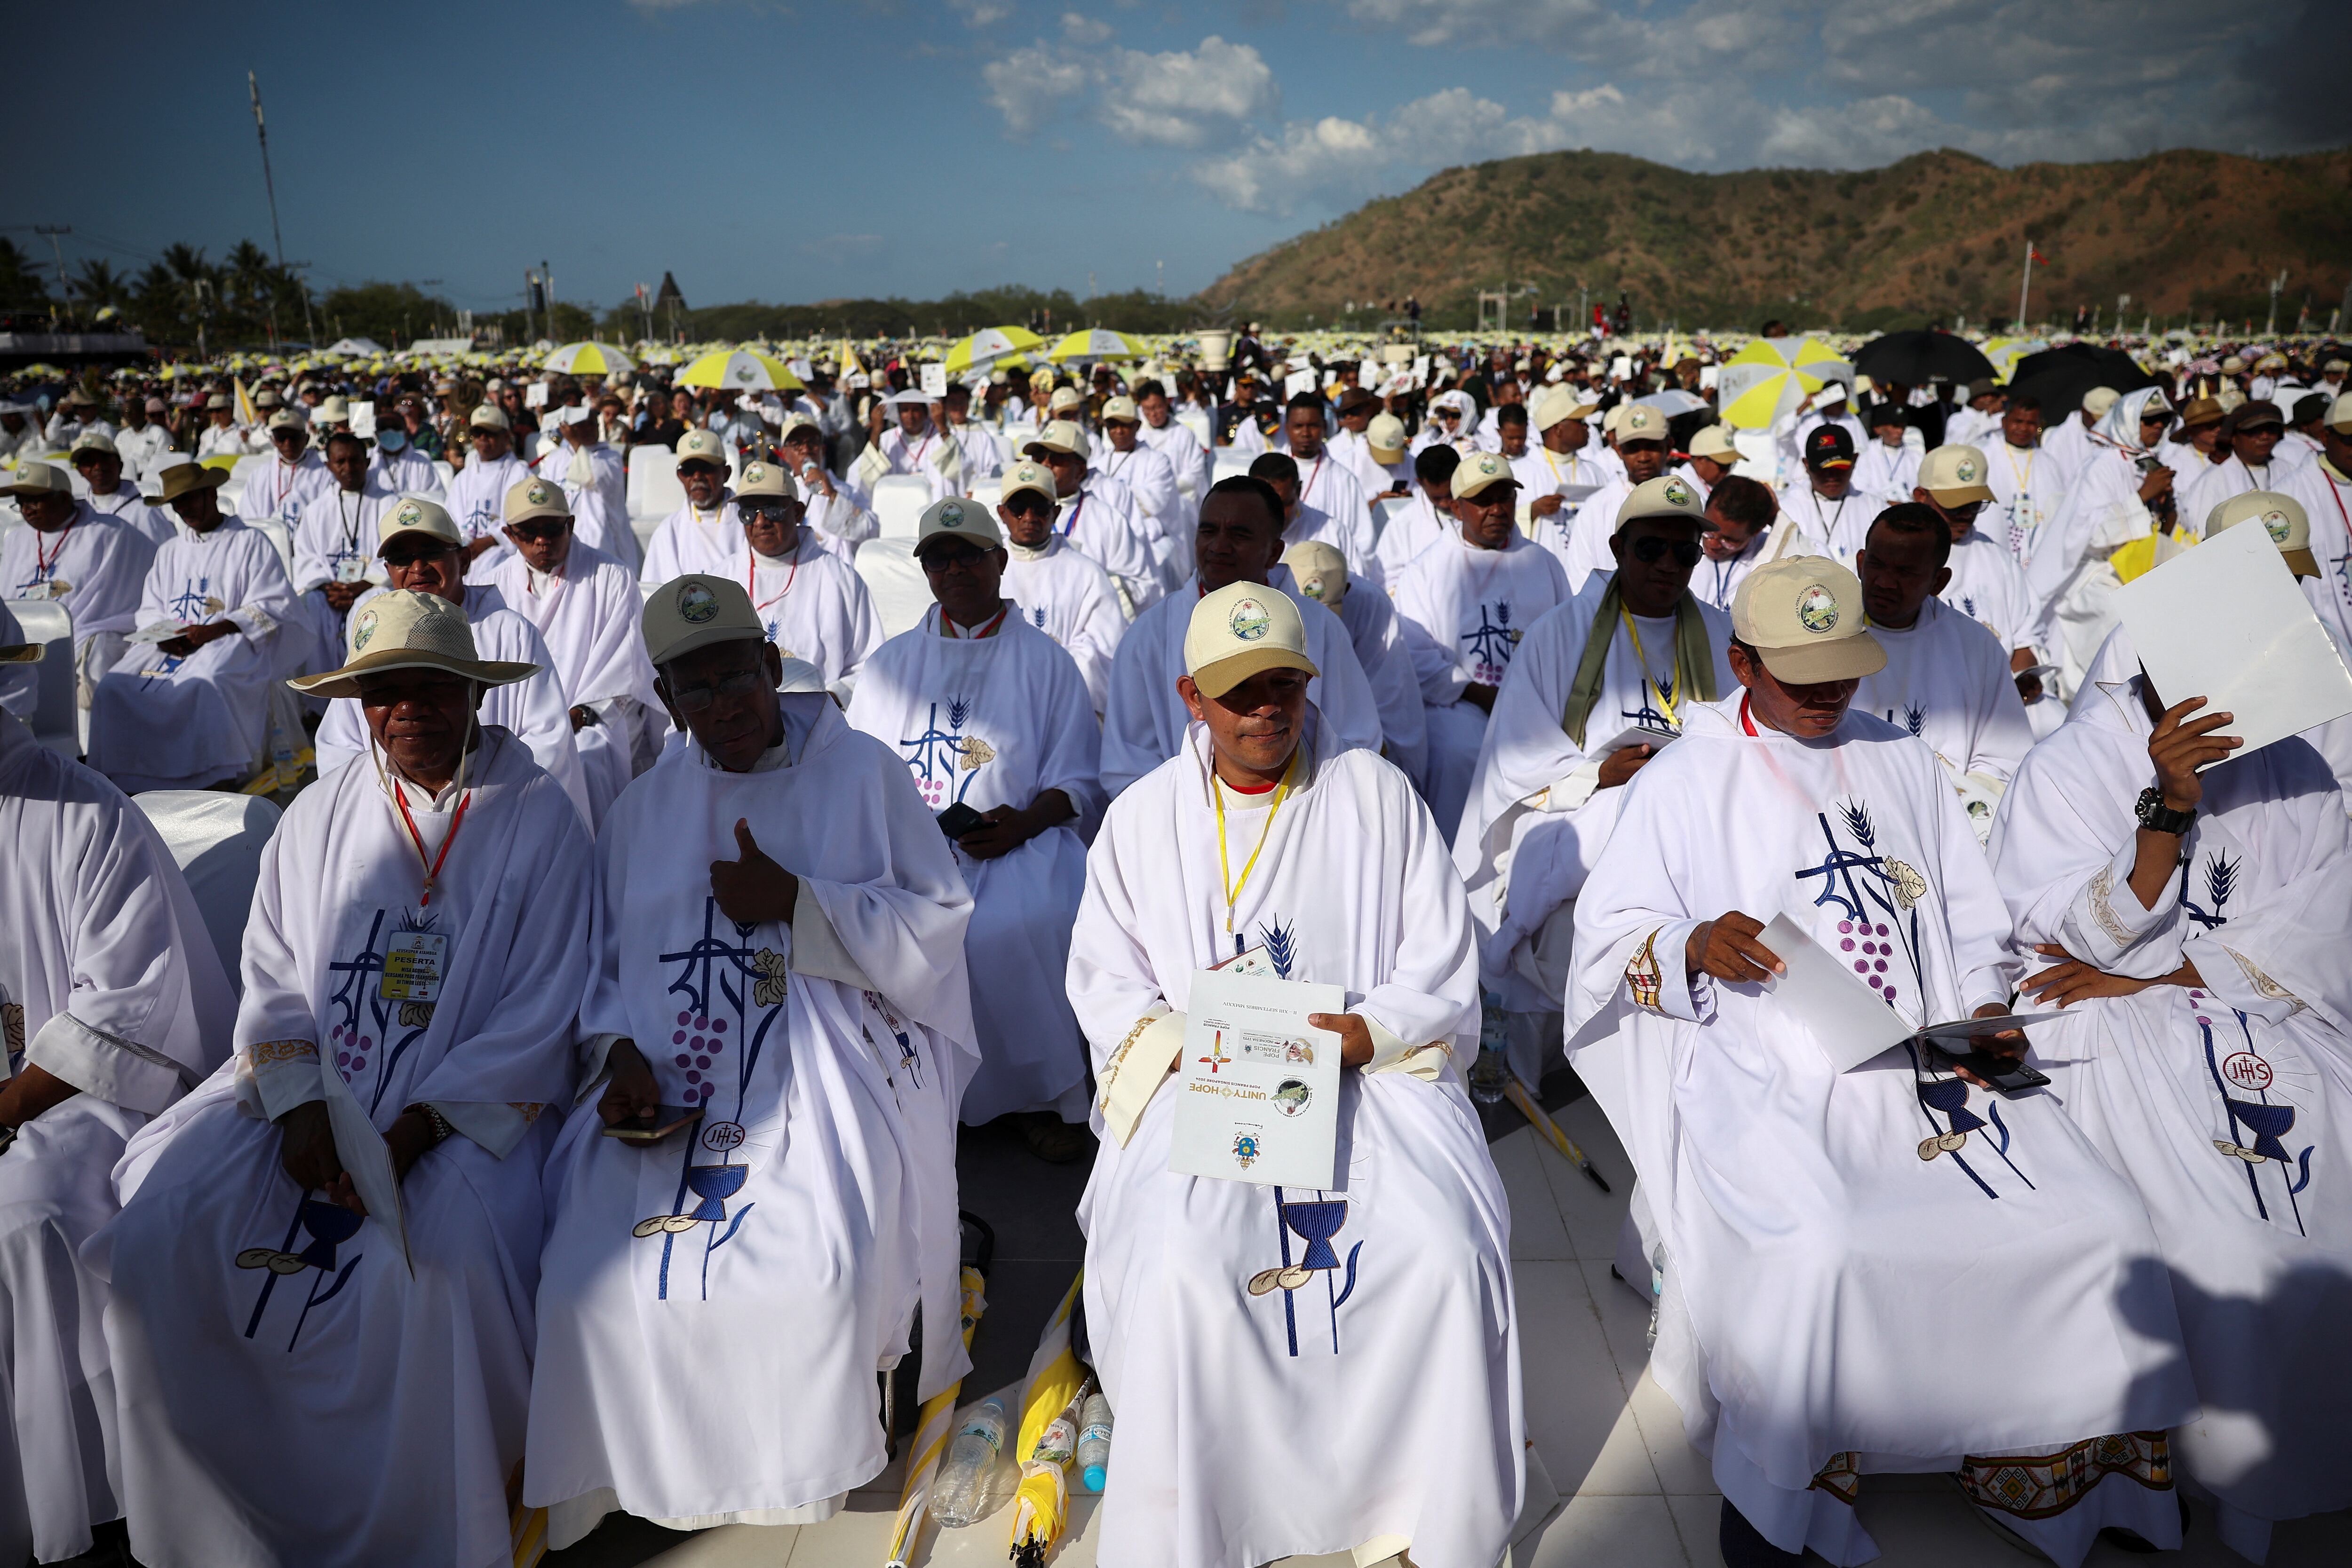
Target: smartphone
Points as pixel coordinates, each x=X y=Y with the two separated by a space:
x=958 y=820
x=667 y=1119
x=2007 y=1074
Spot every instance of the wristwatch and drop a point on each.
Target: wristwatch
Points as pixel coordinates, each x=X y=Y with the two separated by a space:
x=434 y=1120
x=2159 y=818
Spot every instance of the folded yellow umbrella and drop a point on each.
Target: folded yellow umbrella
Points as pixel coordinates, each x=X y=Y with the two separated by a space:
x=1041 y=1503
x=933 y=1426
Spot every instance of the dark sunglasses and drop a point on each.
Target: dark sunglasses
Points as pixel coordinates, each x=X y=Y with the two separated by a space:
x=768 y=511
x=538 y=533
x=1647 y=550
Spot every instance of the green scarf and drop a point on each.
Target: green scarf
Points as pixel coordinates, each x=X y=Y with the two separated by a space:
x=1693 y=657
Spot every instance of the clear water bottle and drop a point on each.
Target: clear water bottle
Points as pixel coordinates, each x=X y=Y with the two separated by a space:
x=1492 y=1070
x=1093 y=1442
x=1657 y=1289
x=962 y=1490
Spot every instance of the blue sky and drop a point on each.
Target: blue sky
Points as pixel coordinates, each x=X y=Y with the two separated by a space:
x=794 y=152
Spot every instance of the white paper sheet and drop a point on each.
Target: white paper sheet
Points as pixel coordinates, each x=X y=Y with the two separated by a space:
x=2226 y=622
x=1634 y=735
x=368 y=1161
x=1258 y=1093
x=1847 y=1019
x=935 y=378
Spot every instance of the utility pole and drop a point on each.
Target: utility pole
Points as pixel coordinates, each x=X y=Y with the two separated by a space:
x=2270 y=326
x=2024 y=288
x=50 y=232
x=547 y=277
x=269 y=186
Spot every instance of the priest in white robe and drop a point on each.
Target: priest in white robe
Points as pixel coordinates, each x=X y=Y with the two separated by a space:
x=1946 y=679
x=1151 y=482
x=1351 y=535
x=595 y=485
x=1987 y=585
x=1465 y=609
x=1377 y=632
x=422 y=552
x=1171 y=438
x=1748 y=531
x=838 y=510
x=70 y=554
x=811 y=602
x=1427 y=517
x=1827 y=1235
x=188 y=707
x=109 y=490
x=1642 y=451
x=476 y=496
x=778 y=963
x=913 y=446
x=1262 y=1347
x=1593 y=687
x=2253 y=461
x=394 y=461
x=2324 y=486
x=1061 y=590
x=1557 y=473
x=1325 y=482
x=277 y=490
x=334 y=549
x=1822 y=506
x=112 y=1005
x=1098 y=518
x=1239 y=539
x=2195 y=926
x=324 y=1271
x=2029 y=483
x=987 y=711
x=584 y=606
x=704 y=534
x=2107 y=507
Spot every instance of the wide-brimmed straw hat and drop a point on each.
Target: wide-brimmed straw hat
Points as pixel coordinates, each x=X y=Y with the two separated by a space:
x=403 y=629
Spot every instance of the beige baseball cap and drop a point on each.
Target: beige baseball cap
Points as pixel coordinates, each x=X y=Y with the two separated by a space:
x=1714 y=441
x=535 y=497
x=1480 y=472
x=488 y=416
x=1064 y=399
x=217 y=399
x=417 y=515
x=2231 y=365
x=1035 y=478
x=959 y=518
x=1667 y=495
x=287 y=419
x=1122 y=408
x=695 y=611
x=1063 y=435
x=2282 y=516
x=38 y=479
x=1321 y=572
x=701 y=446
x=796 y=422
x=2098 y=399
x=403 y=629
x=1640 y=422
x=1558 y=405
x=761 y=477
x=1240 y=629
x=1385 y=435
x=2339 y=414
x=1955 y=475
x=334 y=411
x=1804 y=616
x=93 y=441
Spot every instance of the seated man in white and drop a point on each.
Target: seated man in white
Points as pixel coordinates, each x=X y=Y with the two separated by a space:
x=477 y=495
x=913 y=446
x=1096 y=516
x=987 y=711
x=1377 y=633
x=1557 y=474
x=323 y=1269
x=1061 y=590
x=1426 y=518
x=1239 y=541
x=1835 y=1241
x=334 y=548
x=704 y=534
x=422 y=552
x=1335 y=1319
x=1150 y=481
x=811 y=602
x=1641 y=453
x=838 y=511
x=112 y=1004
x=1465 y=609
x=191 y=708
x=584 y=606
x=94 y=566
x=1630 y=655
x=594 y=481
x=1947 y=679
x=110 y=491
x=778 y=962
x=1986 y=585
x=2197 y=924
x=1350 y=535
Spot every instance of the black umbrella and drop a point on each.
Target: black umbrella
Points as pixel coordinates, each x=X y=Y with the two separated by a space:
x=1914 y=358
x=2060 y=376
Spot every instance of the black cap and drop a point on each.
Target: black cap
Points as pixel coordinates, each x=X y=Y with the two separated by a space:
x=1880 y=413
x=1829 y=446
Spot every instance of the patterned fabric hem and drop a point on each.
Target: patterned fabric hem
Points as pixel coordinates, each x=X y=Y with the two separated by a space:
x=2042 y=1486
x=2103 y=887
x=2264 y=985
x=1119 y=1056
x=1841 y=1477
x=1642 y=976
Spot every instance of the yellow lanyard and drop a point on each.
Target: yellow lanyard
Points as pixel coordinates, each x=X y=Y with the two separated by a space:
x=1666 y=702
x=1225 y=865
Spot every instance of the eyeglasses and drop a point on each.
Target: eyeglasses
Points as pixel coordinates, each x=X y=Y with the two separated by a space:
x=1029 y=504
x=768 y=511
x=536 y=533
x=1647 y=550
x=935 y=561
x=403 y=559
x=693 y=699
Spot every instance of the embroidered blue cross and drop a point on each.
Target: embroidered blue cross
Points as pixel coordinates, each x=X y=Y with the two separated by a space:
x=1490 y=644
x=1840 y=864
x=704 y=952
x=1648 y=714
x=190 y=604
x=935 y=750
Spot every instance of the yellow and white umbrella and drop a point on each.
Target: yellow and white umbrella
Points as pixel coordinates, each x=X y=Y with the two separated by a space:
x=743 y=370
x=985 y=348
x=1041 y=1503
x=588 y=360
x=1097 y=343
x=933 y=1426
x=1772 y=378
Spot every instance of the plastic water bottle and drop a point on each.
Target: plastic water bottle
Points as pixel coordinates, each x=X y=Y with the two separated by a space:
x=1093 y=1442
x=961 y=1491
x=1657 y=1288
x=1492 y=1070
x=1057 y=1442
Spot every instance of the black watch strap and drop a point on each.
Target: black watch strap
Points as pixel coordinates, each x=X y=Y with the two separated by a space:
x=2159 y=818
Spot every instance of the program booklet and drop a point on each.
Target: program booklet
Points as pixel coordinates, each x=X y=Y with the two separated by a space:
x=1258 y=1096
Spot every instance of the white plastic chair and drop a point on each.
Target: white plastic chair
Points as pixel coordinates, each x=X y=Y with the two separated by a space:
x=654 y=490
x=1197 y=421
x=1385 y=511
x=445 y=472
x=1227 y=461
x=218 y=839
x=900 y=592
x=55 y=721
x=988 y=492
x=279 y=535
x=899 y=502
x=1017 y=436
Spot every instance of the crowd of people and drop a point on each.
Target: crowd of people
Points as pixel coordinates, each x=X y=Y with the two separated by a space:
x=574 y=1128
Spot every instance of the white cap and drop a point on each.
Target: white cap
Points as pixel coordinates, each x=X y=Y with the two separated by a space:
x=1238 y=631
x=1063 y=435
x=959 y=518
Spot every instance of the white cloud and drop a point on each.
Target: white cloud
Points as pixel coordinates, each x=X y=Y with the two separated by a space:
x=1198 y=97
x=1339 y=160
x=1030 y=87
x=977 y=13
x=1081 y=29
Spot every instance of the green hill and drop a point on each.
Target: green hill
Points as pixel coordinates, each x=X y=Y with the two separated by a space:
x=2187 y=234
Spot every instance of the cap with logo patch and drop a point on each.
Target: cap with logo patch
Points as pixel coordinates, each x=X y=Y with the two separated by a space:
x=1321 y=572
x=1829 y=446
x=416 y=515
x=1386 y=437
x=1667 y=495
x=1123 y=410
x=1240 y=630
x=761 y=478
x=701 y=446
x=488 y=416
x=1063 y=435
x=695 y=611
x=1640 y=422
x=1715 y=442
x=1803 y=617
x=534 y=498
x=1481 y=472
x=93 y=441
x=403 y=629
x=957 y=517
x=1955 y=475
x=2282 y=516
x=1034 y=477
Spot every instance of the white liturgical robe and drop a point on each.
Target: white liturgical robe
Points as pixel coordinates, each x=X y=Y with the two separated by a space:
x=997 y=721
x=1947 y=681
x=1816 y=1264
x=713 y=1308
x=278 y=490
x=587 y=614
x=477 y=501
x=108 y=980
x=2028 y=490
x=94 y=566
x=692 y=539
x=374 y=1405
x=335 y=541
x=814 y=607
x=1066 y=594
x=2228 y=1102
x=1257 y=1421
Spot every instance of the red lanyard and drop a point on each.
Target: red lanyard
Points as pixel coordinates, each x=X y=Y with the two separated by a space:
x=432 y=872
x=947 y=627
x=1745 y=722
x=45 y=563
x=750 y=581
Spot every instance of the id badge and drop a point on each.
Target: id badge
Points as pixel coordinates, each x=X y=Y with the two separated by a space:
x=50 y=589
x=412 y=966
x=350 y=570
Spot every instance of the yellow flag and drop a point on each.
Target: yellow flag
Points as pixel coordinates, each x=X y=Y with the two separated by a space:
x=247 y=414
